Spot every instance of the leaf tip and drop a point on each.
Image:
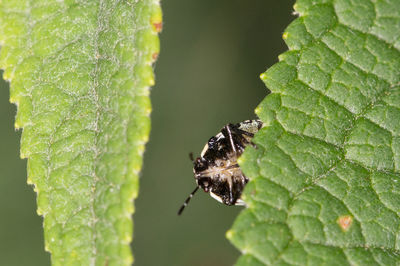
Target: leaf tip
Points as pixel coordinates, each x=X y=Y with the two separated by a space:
x=21 y=154
x=263 y=76
x=295 y=7
x=229 y=234
x=13 y=100
x=39 y=212
x=7 y=76
x=152 y=82
x=258 y=111
x=285 y=35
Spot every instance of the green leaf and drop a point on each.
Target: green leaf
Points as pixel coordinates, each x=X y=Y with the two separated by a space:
x=325 y=180
x=80 y=73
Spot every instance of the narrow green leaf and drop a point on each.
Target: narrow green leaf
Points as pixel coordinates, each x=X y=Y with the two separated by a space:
x=325 y=176
x=80 y=73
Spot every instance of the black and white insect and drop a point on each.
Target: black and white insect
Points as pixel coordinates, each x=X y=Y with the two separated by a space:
x=216 y=171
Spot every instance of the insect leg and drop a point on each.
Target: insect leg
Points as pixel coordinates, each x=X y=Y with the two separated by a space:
x=231 y=199
x=228 y=130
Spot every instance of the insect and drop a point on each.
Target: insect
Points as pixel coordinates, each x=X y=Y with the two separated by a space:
x=216 y=171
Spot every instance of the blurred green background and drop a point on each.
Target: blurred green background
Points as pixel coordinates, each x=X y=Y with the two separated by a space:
x=207 y=75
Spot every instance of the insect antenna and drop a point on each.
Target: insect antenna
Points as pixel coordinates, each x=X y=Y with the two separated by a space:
x=187 y=201
x=191 y=156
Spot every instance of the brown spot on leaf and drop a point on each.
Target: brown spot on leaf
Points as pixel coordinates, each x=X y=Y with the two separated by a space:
x=154 y=56
x=157 y=26
x=345 y=222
